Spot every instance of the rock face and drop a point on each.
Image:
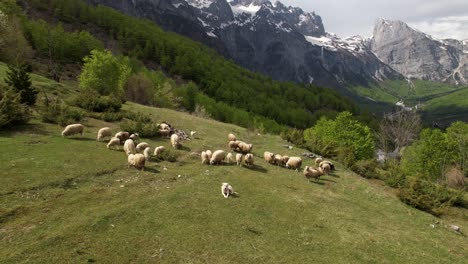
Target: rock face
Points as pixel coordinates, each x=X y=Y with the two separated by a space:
x=283 y=42
x=418 y=55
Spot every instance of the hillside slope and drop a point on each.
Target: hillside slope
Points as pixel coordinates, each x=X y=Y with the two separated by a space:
x=72 y=199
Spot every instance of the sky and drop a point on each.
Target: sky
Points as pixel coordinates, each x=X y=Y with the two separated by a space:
x=439 y=18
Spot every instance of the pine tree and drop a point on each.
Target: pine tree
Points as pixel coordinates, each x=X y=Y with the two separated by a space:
x=19 y=79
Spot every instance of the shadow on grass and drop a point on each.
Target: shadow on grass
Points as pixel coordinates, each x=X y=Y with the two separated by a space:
x=184 y=148
x=26 y=128
x=256 y=168
x=81 y=138
x=151 y=169
x=317 y=182
x=333 y=175
x=328 y=180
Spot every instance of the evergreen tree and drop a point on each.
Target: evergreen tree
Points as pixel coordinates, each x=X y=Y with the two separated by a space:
x=18 y=78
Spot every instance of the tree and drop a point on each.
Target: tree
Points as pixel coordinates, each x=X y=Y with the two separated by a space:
x=14 y=48
x=104 y=73
x=11 y=110
x=397 y=130
x=19 y=79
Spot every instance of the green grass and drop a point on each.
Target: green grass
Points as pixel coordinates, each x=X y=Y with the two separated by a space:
x=73 y=200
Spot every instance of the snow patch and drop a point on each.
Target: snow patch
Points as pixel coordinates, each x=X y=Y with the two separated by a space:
x=211 y=34
x=200 y=3
x=240 y=9
x=177 y=5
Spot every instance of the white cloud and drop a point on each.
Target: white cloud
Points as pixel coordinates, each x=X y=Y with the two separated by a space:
x=446 y=27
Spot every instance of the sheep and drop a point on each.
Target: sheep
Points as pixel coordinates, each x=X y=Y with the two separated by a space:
x=285 y=160
x=204 y=158
x=226 y=189
x=142 y=146
x=135 y=137
x=175 y=141
x=278 y=160
x=231 y=137
x=269 y=157
x=129 y=147
x=123 y=136
x=248 y=159
x=332 y=167
x=217 y=157
x=147 y=153
x=209 y=153
x=318 y=160
x=159 y=150
x=229 y=157
x=294 y=162
x=73 y=129
x=192 y=134
x=164 y=132
x=326 y=168
x=113 y=142
x=103 y=133
x=136 y=160
x=233 y=144
x=310 y=172
x=165 y=126
x=244 y=147
x=239 y=159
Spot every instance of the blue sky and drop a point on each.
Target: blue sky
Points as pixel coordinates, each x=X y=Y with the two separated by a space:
x=440 y=18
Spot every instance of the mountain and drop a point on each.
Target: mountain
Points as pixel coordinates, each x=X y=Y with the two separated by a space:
x=281 y=41
x=415 y=54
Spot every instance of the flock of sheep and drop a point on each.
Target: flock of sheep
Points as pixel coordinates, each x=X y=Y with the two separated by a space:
x=139 y=153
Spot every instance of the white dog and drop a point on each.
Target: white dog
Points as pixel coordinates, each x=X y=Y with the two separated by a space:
x=226 y=189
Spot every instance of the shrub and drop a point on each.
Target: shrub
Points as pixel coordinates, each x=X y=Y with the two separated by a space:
x=139 y=89
x=90 y=100
x=12 y=112
x=53 y=110
x=107 y=116
x=392 y=174
x=145 y=129
x=428 y=196
x=18 y=78
x=366 y=168
x=169 y=155
x=294 y=136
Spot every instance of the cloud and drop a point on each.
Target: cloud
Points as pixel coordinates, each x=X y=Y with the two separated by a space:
x=352 y=17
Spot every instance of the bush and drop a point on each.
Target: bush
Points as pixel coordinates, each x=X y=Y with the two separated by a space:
x=169 y=155
x=12 y=112
x=295 y=136
x=145 y=129
x=90 y=100
x=53 y=110
x=18 y=78
x=107 y=116
x=428 y=196
x=392 y=174
x=366 y=168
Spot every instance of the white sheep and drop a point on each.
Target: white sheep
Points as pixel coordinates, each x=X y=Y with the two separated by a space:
x=226 y=189
x=140 y=147
x=175 y=141
x=123 y=136
x=318 y=160
x=231 y=137
x=192 y=133
x=233 y=144
x=279 y=160
x=159 y=150
x=136 y=160
x=244 y=147
x=209 y=153
x=104 y=133
x=229 y=157
x=269 y=157
x=129 y=147
x=332 y=167
x=204 y=158
x=239 y=159
x=135 y=137
x=294 y=163
x=113 y=142
x=248 y=159
x=165 y=126
x=147 y=153
x=164 y=132
x=217 y=157
x=72 y=130
x=314 y=173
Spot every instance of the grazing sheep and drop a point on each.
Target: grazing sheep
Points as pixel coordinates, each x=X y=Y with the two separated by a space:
x=233 y=144
x=294 y=163
x=217 y=157
x=244 y=147
x=204 y=158
x=129 y=147
x=104 y=133
x=192 y=133
x=175 y=141
x=140 y=147
x=279 y=160
x=317 y=161
x=231 y=137
x=165 y=126
x=226 y=189
x=113 y=142
x=310 y=173
x=209 y=153
x=135 y=137
x=269 y=157
x=159 y=150
x=147 y=153
x=123 y=136
x=285 y=160
x=164 y=132
x=229 y=157
x=136 y=160
x=239 y=159
x=72 y=130
x=332 y=167
x=248 y=159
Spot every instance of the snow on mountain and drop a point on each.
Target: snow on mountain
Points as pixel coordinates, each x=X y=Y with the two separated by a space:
x=200 y=3
x=240 y=9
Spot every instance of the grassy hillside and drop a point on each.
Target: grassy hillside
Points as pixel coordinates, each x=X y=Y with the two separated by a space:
x=73 y=200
